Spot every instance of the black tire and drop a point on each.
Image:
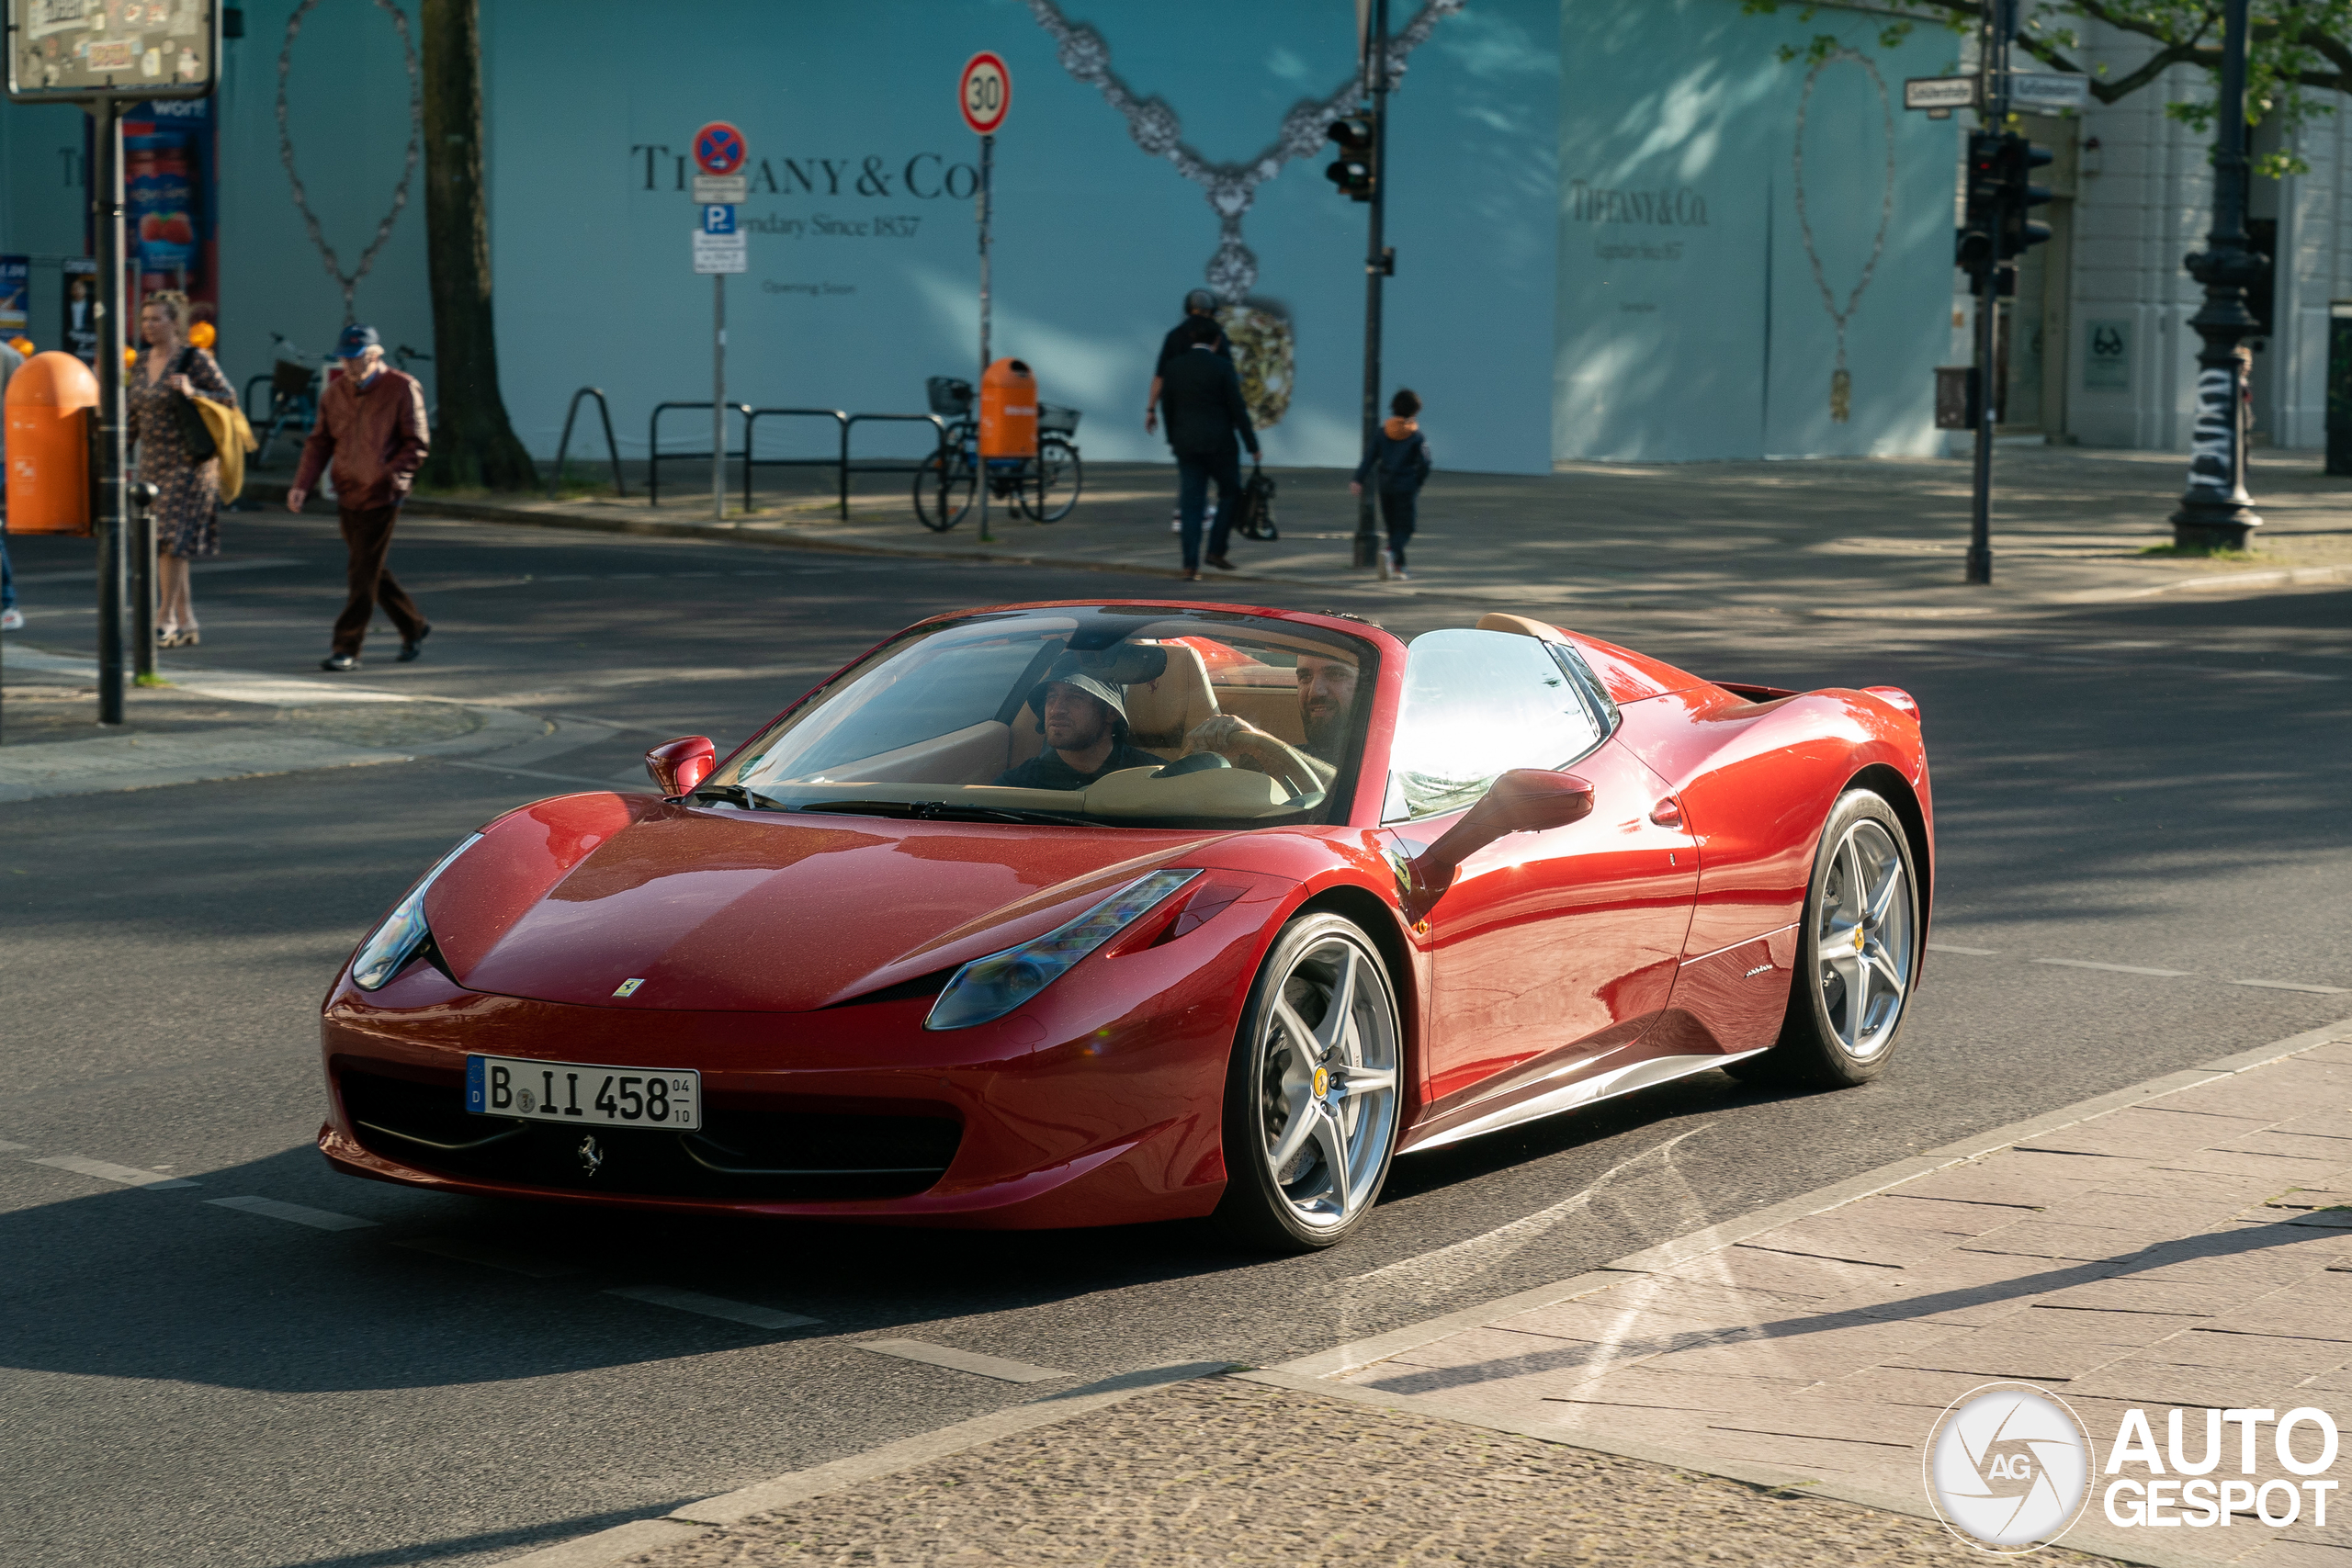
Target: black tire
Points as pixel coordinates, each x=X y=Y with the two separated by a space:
x=1834 y=1037
x=1344 y=1078
x=943 y=491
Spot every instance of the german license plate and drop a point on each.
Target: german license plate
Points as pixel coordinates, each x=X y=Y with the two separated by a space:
x=578 y=1092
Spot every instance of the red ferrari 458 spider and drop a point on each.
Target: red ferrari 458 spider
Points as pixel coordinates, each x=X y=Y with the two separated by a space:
x=1080 y=914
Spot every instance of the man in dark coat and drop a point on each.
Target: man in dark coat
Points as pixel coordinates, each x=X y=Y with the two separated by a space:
x=371 y=430
x=1203 y=397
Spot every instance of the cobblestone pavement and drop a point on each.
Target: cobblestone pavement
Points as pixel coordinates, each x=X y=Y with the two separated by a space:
x=1225 y=1472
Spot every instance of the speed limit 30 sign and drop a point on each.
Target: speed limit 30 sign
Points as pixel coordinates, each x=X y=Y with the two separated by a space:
x=984 y=93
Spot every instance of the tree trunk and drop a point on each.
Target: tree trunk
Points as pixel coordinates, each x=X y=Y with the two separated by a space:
x=473 y=443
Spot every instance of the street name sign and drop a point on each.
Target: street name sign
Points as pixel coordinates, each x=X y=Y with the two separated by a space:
x=2049 y=90
x=1945 y=92
x=721 y=253
x=984 y=93
x=725 y=190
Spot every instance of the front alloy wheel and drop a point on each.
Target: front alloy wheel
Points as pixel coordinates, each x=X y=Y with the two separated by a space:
x=1311 y=1099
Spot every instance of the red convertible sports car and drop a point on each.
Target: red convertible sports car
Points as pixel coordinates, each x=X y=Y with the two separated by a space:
x=1080 y=914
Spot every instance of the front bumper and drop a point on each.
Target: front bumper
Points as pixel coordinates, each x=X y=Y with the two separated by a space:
x=1099 y=1102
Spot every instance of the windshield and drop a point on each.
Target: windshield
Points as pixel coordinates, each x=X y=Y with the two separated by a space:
x=1131 y=715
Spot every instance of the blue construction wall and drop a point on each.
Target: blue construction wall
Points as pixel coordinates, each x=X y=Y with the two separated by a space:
x=1695 y=311
x=1593 y=203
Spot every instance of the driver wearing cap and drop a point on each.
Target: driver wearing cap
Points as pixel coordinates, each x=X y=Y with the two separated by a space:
x=1085 y=716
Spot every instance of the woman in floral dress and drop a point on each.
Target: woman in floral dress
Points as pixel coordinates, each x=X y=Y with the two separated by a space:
x=188 y=500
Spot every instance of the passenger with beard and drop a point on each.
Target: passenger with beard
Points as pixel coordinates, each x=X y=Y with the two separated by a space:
x=1326 y=700
x=1085 y=720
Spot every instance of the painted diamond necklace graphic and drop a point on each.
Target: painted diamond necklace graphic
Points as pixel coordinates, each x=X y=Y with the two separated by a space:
x=1232 y=272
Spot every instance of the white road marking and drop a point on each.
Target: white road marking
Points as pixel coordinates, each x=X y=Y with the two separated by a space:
x=961 y=1360
x=1429 y=1275
x=2291 y=986
x=317 y=1219
x=129 y=1176
x=464 y=1251
x=1970 y=951
x=8 y=1148
x=2114 y=968
x=713 y=1306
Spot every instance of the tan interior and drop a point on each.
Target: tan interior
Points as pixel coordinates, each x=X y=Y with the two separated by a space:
x=1274 y=709
x=1162 y=712
x=1519 y=626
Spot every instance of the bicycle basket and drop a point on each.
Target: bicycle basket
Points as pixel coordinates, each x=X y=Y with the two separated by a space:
x=951 y=396
x=1055 y=420
x=287 y=379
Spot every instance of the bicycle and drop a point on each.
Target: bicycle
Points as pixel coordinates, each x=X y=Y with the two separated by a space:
x=294 y=388
x=1043 y=488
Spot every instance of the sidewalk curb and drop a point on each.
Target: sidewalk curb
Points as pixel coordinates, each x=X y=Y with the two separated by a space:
x=1313 y=1373
x=1715 y=1238
x=612 y=1546
x=2272 y=578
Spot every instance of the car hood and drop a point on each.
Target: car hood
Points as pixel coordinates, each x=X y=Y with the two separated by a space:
x=571 y=899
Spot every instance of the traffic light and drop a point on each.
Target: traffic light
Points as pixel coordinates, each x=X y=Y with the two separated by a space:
x=1973 y=249
x=2020 y=158
x=1352 y=170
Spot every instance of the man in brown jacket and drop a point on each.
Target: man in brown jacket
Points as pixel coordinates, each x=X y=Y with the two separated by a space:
x=371 y=425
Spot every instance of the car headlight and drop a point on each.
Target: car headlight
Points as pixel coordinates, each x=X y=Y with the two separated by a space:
x=989 y=987
x=403 y=932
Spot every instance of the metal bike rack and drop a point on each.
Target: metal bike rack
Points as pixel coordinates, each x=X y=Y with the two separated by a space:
x=842 y=465
x=654 y=455
x=887 y=465
x=755 y=415
x=611 y=446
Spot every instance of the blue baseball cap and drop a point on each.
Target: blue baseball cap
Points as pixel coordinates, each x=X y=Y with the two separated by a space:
x=355 y=340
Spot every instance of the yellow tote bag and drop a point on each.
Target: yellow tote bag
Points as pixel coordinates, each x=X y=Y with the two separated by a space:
x=233 y=437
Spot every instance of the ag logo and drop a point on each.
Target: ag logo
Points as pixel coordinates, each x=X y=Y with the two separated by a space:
x=2008 y=1468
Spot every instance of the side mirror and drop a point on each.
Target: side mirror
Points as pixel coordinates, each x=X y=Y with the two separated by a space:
x=1524 y=800
x=678 y=765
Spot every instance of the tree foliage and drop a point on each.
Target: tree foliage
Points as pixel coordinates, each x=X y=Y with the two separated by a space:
x=2299 y=51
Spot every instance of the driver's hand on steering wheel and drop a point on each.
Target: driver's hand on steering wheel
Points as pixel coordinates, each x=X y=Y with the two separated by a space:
x=1246 y=746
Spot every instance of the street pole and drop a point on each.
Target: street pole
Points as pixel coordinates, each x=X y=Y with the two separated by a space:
x=1993 y=96
x=2216 y=512
x=988 y=182
x=717 y=397
x=1376 y=268
x=106 y=188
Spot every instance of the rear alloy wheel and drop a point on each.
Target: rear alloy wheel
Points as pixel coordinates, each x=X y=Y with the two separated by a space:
x=1311 y=1099
x=1856 y=954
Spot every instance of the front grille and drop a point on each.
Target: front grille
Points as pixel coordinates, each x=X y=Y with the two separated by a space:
x=739 y=1156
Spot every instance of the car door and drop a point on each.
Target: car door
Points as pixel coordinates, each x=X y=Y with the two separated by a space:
x=1549 y=946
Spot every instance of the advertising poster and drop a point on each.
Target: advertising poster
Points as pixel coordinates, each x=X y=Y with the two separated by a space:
x=78 y=332
x=15 y=296
x=169 y=203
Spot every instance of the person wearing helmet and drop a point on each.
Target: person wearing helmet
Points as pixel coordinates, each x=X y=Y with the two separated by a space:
x=1083 y=713
x=1177 y=344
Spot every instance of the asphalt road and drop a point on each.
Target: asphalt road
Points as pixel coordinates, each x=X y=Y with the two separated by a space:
x=2157 y=787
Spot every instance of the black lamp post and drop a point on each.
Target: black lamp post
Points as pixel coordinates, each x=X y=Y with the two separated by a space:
x=2216 y=512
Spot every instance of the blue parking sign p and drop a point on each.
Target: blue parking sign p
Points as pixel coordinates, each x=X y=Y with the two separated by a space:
x=717 y=219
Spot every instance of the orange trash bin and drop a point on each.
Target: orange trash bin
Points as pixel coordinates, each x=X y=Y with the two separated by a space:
x=1007 y=410
x=50 y=402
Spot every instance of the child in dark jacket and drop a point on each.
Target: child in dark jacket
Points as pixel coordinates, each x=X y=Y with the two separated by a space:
x=1399 y=462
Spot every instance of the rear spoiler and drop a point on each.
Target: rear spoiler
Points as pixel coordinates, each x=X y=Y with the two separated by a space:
x=1755 y=694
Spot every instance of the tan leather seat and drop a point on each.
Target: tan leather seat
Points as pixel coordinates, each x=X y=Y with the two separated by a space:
x=1519 y=626
x=1162 y=712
